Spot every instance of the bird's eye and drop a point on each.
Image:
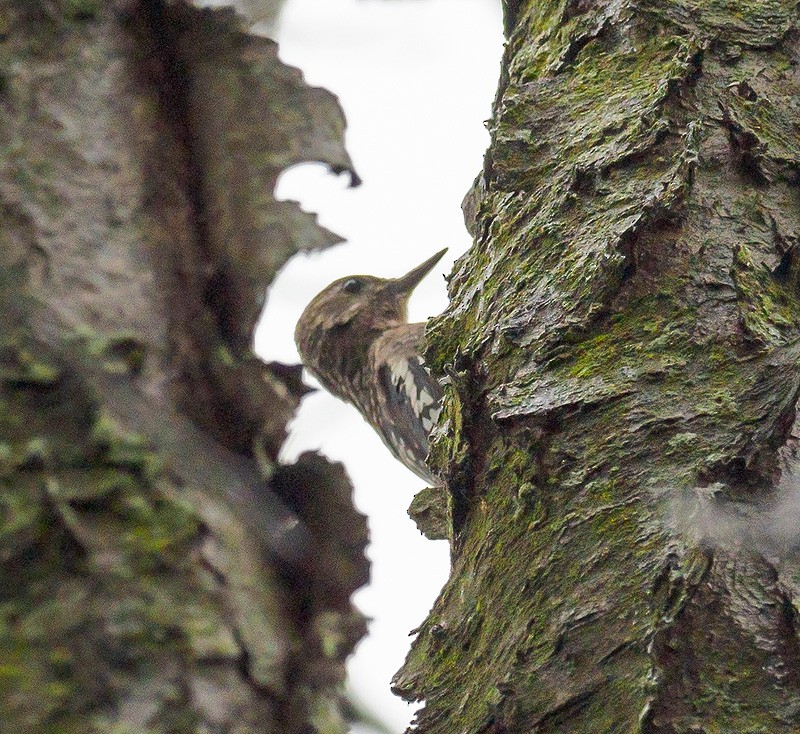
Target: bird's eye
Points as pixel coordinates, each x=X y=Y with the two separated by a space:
x=353 y=285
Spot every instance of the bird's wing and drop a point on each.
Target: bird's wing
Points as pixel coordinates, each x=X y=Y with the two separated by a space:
x=410 y=398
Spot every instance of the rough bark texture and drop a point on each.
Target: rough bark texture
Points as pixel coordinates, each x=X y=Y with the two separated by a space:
x=622 y=351
x=160 y=571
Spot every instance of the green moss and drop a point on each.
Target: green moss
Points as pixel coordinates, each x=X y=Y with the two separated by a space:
x=681 y=442
x=429 y=510
x=82 y=497
x=119 y=352
x=603 y=140
x=118 y=446
x=758 y=24
x=81 y=9
x=224 y=355
x=29 y=371
x=156 y=528
x=507 y=566
x=770 y=310
x=651 y=335
x=6 y=456
x=89 y=483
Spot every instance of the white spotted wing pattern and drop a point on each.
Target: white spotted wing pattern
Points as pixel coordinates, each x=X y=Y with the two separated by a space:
x=410 y=398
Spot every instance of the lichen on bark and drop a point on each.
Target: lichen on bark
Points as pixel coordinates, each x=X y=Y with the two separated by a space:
x=161 y=570
x=621 y=350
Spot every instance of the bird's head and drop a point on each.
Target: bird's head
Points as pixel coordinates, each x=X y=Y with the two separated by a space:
x=337 y=328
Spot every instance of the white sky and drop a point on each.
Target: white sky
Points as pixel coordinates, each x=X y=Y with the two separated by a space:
x=416 y=79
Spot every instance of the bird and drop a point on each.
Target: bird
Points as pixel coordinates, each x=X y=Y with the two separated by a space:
x=354 y=337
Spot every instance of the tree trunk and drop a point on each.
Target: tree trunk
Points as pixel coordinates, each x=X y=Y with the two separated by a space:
x=622 y=350
x=160 y=571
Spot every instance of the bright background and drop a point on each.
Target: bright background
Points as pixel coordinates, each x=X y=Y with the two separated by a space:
x=416 y=79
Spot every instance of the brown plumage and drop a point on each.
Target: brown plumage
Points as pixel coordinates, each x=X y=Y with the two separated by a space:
x=354 y=337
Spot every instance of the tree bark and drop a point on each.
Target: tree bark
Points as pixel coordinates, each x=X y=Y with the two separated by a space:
x=161 y=572
x=621 y=349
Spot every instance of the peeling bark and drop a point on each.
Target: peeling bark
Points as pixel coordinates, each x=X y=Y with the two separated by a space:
x=622 y=350
x=161 y=572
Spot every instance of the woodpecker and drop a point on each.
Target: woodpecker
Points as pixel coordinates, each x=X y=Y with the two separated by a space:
x=354 y=337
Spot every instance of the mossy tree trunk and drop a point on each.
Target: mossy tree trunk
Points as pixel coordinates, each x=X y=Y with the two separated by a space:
x=622 y=349
x=161 y=572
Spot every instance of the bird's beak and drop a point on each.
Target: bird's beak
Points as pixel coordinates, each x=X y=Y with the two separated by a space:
x=406 y=283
